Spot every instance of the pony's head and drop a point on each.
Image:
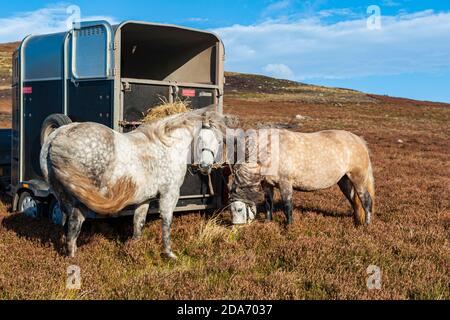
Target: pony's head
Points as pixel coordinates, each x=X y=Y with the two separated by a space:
x=244 y=193
x=212 y=138
x=209 y=145
x=242 y=212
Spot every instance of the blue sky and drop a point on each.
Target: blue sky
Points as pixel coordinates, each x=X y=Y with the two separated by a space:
x=325 y=42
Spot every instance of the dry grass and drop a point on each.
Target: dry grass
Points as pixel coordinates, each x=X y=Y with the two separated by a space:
x=213 y=230
x=166 y=109
x=5 y=67
x=6 y=51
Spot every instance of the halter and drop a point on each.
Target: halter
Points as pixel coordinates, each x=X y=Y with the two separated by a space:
x=210 y=151
x=207 y=126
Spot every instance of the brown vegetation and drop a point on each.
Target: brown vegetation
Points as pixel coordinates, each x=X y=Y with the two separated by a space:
x=6 y=51
x=322 y=256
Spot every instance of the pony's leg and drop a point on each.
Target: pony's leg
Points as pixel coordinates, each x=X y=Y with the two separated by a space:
x=348 y=190
x=167 y=205
x=268 y=194
x=359 y=182
x=140 y=216
x=287 y=192
x=75 y=220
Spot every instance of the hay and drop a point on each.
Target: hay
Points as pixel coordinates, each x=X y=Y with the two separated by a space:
x=166 y=109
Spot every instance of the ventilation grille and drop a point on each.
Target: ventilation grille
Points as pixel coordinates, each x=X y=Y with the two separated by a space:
x=89 y=32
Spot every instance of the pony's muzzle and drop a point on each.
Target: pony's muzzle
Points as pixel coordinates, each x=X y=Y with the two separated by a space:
x=207 y=161
x=242 y=213
x=205 y=169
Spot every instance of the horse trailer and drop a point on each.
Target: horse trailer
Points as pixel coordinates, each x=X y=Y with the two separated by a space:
x=110 y=75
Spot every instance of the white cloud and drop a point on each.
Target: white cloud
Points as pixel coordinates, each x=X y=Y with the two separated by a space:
x=198 y=19
x=343 y=12
x=390 y=3
x=46 y=20
x=279 y=71
x=276 y=6
x=406 y=43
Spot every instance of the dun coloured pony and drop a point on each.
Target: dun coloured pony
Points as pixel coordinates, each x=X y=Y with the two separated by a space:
x=306 y=162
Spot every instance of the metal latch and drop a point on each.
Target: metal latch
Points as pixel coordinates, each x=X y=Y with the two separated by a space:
x=126 y=86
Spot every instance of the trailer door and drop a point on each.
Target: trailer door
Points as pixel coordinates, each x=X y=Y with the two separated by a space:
x=92 y=51
x=90 y=88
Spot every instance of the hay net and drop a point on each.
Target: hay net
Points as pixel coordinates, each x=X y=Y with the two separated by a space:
x=167 y=109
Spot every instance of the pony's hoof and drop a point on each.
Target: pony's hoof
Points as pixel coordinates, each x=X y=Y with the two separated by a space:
x=136 y=238
x=171 y=256
x=70 y=252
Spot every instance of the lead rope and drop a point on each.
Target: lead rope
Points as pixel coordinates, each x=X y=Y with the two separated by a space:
x=210 y=185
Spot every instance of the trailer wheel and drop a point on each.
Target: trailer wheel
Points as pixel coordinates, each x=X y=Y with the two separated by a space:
x=52 y=123
x=55 y=214
x=29 y=205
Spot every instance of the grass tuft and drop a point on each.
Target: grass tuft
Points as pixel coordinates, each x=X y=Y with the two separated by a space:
x=212 y=230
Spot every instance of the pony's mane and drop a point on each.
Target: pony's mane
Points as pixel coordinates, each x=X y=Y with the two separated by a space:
x=161 y=130
x=247 y=176
x=246 y=186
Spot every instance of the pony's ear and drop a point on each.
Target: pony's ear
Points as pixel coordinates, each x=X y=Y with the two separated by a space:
x=231 y=121
x=230 y=184
x=206 y=124
x=232 y=187
x=202 y=112
x=208 y=109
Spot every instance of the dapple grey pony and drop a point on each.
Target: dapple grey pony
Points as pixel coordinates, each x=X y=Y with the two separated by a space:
x=91 y=167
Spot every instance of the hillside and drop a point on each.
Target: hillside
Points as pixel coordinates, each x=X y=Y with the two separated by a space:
x=6 y=51
x=254 y=87
x=245 y=86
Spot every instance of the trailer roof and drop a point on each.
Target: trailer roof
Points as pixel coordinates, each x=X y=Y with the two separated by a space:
x=115 y=27
x=43 y=58
x=119 y=26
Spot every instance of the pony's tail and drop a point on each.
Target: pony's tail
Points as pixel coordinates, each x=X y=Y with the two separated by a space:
x=371 y=186
x=44 y=157
x=117 y=197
